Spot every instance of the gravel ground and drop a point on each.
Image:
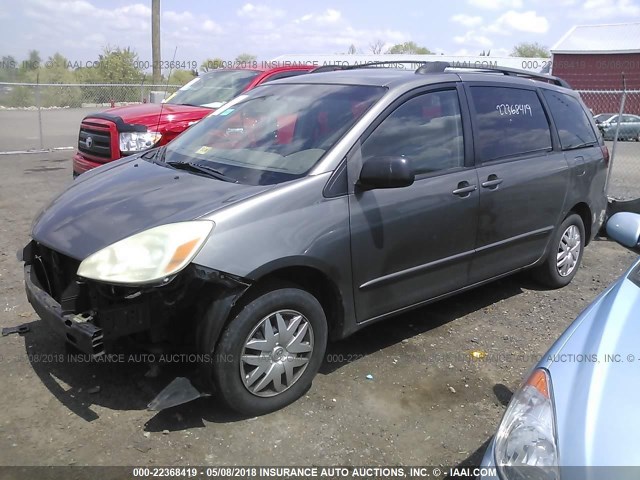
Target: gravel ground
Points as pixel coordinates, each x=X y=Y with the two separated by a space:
x=427 y=403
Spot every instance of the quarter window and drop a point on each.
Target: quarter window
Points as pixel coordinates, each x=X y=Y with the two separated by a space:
x=574 y=128
x=508 y=122
x=426 y=129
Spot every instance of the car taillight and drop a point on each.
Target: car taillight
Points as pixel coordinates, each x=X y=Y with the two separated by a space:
x=605 y=154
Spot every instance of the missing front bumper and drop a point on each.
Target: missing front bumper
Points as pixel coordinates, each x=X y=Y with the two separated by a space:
x=84 y=335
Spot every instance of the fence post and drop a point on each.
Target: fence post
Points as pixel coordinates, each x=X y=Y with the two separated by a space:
x=39 y=105
x=615 y=135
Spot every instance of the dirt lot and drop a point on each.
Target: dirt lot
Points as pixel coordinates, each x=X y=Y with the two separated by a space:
x=406 y=414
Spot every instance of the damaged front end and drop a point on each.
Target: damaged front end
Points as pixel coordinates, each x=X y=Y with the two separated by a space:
x=93 y=315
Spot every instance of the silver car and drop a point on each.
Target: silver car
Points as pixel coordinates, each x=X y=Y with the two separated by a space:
x=577 y=414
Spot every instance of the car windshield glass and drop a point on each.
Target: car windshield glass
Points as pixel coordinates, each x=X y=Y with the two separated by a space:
x=215 y=88
x=603 y=117
x=275 y=133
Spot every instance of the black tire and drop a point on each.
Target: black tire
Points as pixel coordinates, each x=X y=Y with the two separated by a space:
x=549 y=274
x=251 y=320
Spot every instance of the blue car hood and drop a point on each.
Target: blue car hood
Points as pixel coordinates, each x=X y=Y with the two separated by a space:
x=595 y=368
x=116 y=201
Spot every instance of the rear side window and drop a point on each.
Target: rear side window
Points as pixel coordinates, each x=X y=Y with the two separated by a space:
x=508 y=122
x=574 y=128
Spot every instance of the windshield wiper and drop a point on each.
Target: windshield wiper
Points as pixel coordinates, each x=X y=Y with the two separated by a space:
x=204 y=169
x=581 y=145
x=155 y=155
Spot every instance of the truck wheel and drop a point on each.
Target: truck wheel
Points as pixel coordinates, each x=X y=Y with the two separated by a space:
x=565 y=256
x=268 y=354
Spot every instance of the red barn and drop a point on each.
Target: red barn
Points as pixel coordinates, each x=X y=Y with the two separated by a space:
x=595 y=57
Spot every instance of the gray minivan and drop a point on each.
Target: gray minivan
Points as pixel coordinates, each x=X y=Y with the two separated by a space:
x=311 y=207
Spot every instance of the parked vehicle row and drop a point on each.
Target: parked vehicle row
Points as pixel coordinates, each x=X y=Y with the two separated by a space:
x=629 y=128
x=310 y=207
x=122 y=131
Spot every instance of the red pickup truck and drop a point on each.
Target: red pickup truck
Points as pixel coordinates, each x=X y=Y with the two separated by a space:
x=122 y=131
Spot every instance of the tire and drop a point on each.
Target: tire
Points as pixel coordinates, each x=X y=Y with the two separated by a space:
x=277 y=371
x=569 y=237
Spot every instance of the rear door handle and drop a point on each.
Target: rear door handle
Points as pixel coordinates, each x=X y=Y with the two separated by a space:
x=492 y=181
x=464 y=189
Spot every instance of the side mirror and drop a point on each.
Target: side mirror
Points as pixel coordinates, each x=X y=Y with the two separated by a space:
x=624 y=228
x=386 y=172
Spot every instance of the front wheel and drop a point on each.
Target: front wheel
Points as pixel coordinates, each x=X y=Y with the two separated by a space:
x=563 y=261
x=268 y=354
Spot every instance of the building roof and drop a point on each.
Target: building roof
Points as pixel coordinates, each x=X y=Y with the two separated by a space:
x=611 y=38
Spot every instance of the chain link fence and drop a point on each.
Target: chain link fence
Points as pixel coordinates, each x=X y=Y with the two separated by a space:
x=52 y=95
x=617 y=114
x=45 y=116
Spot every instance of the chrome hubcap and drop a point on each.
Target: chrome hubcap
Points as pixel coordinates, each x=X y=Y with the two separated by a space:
x=276 y=353
x=568 y=251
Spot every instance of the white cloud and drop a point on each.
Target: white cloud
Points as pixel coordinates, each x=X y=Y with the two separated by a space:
x=601 y=9
x=528 y=21
x=467 y=20
x=473 y=38
x=260 y=12
x=496 y=4
x=330 y=15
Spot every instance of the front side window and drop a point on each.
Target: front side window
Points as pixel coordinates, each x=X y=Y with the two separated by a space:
x=426 y=129
x=574 y=128
x=215 y=88
x=508 y=122
x=274 y=133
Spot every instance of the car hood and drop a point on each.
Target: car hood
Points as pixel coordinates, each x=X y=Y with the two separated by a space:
x=116 y=201
x=594 y=369
x=154 y=114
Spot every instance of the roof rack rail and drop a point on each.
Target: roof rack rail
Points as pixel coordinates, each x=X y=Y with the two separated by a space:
x=439 y=67
x=333 y=67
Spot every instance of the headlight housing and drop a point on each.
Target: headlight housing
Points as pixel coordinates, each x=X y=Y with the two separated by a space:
x=148 y=257
x=526 y=445
x=131 y=142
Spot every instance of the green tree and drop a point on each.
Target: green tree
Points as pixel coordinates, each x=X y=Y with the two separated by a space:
x=8 y=69
x=53 y=70
x=34 y=61
x=411 y=48
x=180 y=77
x=211 y=64
x=246 y=58
x=530 y=49
x=352 y=50
x=119 y=65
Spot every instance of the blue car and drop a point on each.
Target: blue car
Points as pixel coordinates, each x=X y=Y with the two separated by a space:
x=577 y=415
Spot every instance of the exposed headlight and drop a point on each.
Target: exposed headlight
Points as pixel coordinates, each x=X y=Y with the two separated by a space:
x=526 y=444
x=131 y=142
x=149 y=256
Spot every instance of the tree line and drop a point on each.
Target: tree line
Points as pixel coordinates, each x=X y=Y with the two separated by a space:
x=122 y=65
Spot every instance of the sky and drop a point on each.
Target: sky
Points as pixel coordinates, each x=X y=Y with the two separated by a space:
x=199 y=29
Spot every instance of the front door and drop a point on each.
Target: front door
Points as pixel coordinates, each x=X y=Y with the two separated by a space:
x=414 y=243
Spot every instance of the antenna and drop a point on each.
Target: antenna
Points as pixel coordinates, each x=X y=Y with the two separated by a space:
x=167 y=86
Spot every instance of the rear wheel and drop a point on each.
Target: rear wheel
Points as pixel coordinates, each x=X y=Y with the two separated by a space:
x=269 y=353
x=565 y=256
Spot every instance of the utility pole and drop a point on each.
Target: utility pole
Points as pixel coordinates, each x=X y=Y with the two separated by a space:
x=155 y=40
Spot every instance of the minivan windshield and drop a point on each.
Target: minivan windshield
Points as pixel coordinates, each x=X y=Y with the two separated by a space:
x=214 y=88
x=273 y=134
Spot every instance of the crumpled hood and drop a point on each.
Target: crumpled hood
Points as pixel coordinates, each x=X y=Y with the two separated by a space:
x=594 y=369
x=121 y=199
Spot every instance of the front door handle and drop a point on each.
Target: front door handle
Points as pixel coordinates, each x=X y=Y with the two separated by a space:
x=492 y=182
x=464 y=189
